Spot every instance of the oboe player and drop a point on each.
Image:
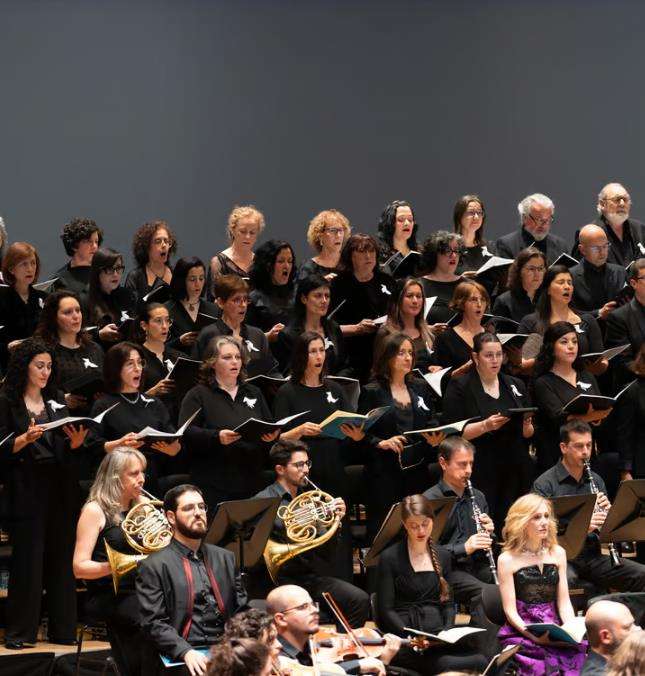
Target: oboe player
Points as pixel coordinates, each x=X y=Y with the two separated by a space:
x=471 y=571
x=568 y=477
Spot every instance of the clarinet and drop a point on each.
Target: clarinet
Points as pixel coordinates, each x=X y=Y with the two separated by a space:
x=613 y=552
x=480 y=529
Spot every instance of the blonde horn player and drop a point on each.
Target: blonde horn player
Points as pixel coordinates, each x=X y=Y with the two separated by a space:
x=310 y=569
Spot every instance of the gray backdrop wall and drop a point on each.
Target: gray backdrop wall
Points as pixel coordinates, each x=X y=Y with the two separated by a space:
x=130 y=110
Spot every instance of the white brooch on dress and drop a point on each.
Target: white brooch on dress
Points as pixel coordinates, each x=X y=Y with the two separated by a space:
x=89 y=364
x=330 y=398
x=249 y=402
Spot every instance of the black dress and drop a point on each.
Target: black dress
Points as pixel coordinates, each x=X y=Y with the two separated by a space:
x=450 y=349
x=137 y=280
x=550 y=394
x=76 y=279
x=17 y=318
x=406 y=598
x=386 y=481
x=502 y=469
x=156 y=370
x=75 y=364
x=629 y=420
x=133 y=413
x=513 y=305
x=113 y=308
x=310 y=267
x=43 y=502
x=225 y=472
x=271 y=307
x=440 y=312
x=362 y=300
x=588 y=331
x=182 y=322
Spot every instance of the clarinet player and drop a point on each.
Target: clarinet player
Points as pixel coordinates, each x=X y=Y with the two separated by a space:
x=568 y=477
x=472 y=562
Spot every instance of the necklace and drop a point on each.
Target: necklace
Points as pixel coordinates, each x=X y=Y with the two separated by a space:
x=130 y=401
x=542 y=549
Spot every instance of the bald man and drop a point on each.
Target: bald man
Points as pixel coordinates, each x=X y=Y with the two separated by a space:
x=608 y=623
x=595 y=281
x=626 y=235
x=297 y=619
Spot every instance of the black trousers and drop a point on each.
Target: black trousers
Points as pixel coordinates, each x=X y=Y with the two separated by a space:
x=43 y=503
x=438 y=659
x=467 y=585
x=598 y=569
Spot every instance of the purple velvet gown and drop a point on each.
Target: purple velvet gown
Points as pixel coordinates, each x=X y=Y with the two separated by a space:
x=536 y=594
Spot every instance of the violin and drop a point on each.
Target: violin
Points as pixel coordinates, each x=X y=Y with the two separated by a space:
x=335 y=647
x=289 y=667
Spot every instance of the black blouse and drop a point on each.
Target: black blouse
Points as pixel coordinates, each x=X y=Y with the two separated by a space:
x=235 y=467
x=439 y=312
x=513 y=305
x=406 y=598
x=137 y=280
x=182 y=322
x=111 y=308
x=629 y=420
x=17 y=318
x=156 y=370
x=268 y=308
x=310 y=267
x=74 y=364
x=450 y=349
x=588 y=331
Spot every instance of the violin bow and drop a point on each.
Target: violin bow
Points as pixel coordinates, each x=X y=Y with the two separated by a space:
x=338 y=613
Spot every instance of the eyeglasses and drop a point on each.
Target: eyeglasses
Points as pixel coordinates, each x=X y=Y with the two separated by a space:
x=447 y=250
x=334 y=231
x=599 y=248
x=618 y=199
x=114 y=270
x=310 y=605
x=160 y=321
x=534 y=268
x=239 y=300
x=474 y=214
x=302 y=464
x=135 y=363
x=542 y=221
x=158 y=241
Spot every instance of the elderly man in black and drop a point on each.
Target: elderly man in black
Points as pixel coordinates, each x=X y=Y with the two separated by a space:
x=626 y=235
x=595 y=281
x=536 y=217
x=471 y=571
x=187 y=590
x=568 y=477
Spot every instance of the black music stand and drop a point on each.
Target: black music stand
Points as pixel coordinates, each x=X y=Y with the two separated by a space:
x=392 y=525
x=243 y=527
x=626 y=518
x=578 y=510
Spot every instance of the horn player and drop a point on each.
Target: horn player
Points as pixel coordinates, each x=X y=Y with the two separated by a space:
x=312 y=569
x=117 y=488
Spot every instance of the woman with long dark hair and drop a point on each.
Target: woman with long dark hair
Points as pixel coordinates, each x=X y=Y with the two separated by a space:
x=272 y=278
x=391 y=473
x=559 y=376
x=397 y=234
x=554 y=305
x=525 y=277
x=107 y=304
x=500 y=440
x=123 y=375
x=310 y=314
x=406 y=315
x=20 y=303
x=42 y=482
x=117 y=488
x=360 y=294
x=468 y=217
x=152 y=247
x=187 y=303
x=413 y=592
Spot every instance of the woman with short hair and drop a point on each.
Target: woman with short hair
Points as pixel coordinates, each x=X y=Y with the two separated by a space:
x=327 y=233
x=152 y=247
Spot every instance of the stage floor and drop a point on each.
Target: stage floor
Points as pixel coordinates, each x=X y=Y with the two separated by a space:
x=58 y=650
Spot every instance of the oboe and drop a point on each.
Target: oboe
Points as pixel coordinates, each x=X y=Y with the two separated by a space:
x=477 y=513
x=593 y=487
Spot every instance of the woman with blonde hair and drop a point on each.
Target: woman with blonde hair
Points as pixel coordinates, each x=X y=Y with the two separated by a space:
x=327 y=233
x=532 y=572
x=629 y=659
x=116 y=489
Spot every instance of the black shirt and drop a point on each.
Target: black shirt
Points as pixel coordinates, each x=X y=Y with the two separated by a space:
x=595 y=665
x=623 y=252
x=75 y=279
x=137 y=280
x=450 y=349
x=272 y=306
x=182 y=322
x=587 y=331
x=593 y=286
x=304 y=657
x=513 y=305
x=17 y=318
x=439 y=312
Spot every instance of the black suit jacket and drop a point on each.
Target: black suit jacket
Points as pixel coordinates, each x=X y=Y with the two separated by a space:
x=162 y=594
x=636 y=231
x=583 y=298
x=508 y=246
x=625 y=325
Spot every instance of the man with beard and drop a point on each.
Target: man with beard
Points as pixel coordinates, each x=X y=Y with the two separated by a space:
x=626 y=235
x=187 y=590
x=536 y=218
x=608 y=625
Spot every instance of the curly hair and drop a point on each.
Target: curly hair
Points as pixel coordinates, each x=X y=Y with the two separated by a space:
x=317 y=225
x=16 y=253
x=143 y=239
x=387 y=224
x=433 y=245
x=546 y=357
x=515 y=271
x=261 y=272
x=179 y=274
x=76 y=231
x=47 y=328
x=238 y=657
x=461 y=205
x=517 y=520
x=240 y=212
x=207 y=370
x=252 y=623
x=15 y=382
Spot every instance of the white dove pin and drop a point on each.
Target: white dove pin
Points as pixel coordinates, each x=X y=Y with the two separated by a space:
x=124 y=316
x=384 y=289
x=421 y=404
x=41 y=302
x=578 y=329
x=330 y=398
x=250 y=347
x=328 y=343
x=55 y=406
x=584 y=386
x=485 y=251
x=89 y=364
x=515 y=391
x=146 y=400
x=169 y=364
x=642 y=248
x=249 y=402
